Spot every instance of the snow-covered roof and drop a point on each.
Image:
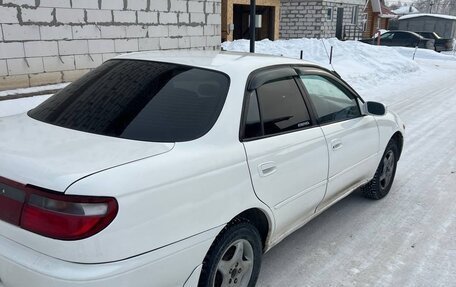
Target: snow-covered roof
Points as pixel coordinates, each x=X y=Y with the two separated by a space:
x=404 y=10
x=379 y=7
x=449 y=17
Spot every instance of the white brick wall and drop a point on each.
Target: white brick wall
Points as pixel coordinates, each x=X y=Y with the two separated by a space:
x=147 y=17
x=112 y=4
x=20 y=2
x=125 y=16
x=98 y=16
x=37 y=15
x=158 y=31
x=56 y=33
x=25 y=66
x=113 y=32
x=16 y=32
x=136 y=31
x=67 y=16
x=159 y=5
x=101 y=46
x=86 y=32
x=91 y=4
x=3 y=68
x=146 y=44
x=168 y=18
x=73 y=47
x=40 y=48
x=58 y=63
x=88 y=61
x=11 y=50
x=126 y=45
x=8 y=15
x=56 y=3
x=137 y=4
x=49 y=41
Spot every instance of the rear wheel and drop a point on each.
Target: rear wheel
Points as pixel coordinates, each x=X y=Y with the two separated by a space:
x=234 y=258
x=381 y=184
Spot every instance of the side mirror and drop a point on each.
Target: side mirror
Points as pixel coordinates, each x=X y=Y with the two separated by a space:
x=374 y=108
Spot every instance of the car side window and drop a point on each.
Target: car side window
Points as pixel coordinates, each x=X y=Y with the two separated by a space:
x=282 y=107
x=387 y=36
x=332 y=103
x=403 y=38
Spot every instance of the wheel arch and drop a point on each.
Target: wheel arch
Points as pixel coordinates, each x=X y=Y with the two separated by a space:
x=398 y=138
x=260 y=220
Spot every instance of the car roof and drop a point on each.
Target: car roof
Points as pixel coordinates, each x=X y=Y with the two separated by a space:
x=404 y=31
x=215 y=60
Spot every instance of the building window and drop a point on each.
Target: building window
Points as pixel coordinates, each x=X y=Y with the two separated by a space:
x=364 y=16
x=355 y=12
x=329 y=14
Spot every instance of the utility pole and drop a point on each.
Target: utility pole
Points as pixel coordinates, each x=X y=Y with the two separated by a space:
x=252 y=25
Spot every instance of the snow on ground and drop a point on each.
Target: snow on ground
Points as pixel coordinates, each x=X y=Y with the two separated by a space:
x=362 y=65
x=33 y=90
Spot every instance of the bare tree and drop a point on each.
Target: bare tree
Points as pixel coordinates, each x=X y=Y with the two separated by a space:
x=447 y=7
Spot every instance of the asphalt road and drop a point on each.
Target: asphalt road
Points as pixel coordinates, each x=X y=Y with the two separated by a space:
x=406 y=239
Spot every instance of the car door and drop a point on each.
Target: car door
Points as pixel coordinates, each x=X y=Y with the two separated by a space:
x=352 y=138
x=404 y=39
x=286 y=151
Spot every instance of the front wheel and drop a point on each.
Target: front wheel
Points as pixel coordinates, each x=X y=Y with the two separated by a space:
x=381 y=184
x=234 y=258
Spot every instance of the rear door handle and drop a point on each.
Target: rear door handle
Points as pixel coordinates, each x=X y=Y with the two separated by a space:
x=267 y=168
x=336 y=144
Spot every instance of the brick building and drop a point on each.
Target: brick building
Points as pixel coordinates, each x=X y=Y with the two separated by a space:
x=53 y=41
x=320 y=18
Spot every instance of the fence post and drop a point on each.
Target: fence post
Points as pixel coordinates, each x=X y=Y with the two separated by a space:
x=414 y=53
x=331 y=55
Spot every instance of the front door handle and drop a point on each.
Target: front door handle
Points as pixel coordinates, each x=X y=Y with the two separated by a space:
x=336 y=144
x=267 y=168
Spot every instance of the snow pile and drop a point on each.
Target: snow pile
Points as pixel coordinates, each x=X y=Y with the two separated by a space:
x=364 y=66
x=442 y=16
x=33 y=90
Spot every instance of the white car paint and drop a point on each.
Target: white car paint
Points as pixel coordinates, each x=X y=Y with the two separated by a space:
x=174 y=198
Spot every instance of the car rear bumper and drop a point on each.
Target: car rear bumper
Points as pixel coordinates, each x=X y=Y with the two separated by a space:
x=173 y=265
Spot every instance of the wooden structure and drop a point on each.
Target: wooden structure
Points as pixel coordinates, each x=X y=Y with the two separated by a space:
x=235 y=19
x=377 y=17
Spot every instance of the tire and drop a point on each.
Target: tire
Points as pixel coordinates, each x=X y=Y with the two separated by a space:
x=381 y=184
x=234 y=258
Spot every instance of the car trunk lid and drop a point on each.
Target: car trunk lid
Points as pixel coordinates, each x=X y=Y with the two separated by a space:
x=52 y=157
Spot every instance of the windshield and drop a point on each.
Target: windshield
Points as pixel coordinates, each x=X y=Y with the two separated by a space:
x=139 y=100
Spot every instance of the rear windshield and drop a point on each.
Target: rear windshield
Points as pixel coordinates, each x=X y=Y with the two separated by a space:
x=139 y=100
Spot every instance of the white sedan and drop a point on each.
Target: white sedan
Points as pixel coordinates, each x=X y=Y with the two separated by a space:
x=182 y=169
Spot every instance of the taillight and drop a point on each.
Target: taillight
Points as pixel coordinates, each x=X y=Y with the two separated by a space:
x=58 y=216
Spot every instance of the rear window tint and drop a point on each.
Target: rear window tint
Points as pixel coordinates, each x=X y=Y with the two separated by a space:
x=139 y=100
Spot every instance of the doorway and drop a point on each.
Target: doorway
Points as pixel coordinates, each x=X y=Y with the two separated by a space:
x=339 y=23
x=241 y=21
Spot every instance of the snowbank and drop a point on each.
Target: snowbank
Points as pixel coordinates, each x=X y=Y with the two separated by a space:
x=362 y=65
x=33 y=90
